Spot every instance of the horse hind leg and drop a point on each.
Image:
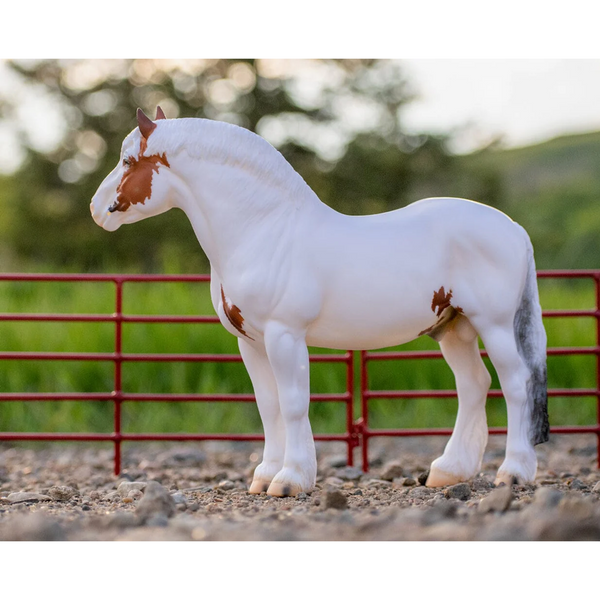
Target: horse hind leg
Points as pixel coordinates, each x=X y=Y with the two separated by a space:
x=516 y=345
x=463 y=454
x=516 y=380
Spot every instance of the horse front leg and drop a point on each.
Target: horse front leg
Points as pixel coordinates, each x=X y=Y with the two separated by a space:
x=289 y=359
x=267 y=400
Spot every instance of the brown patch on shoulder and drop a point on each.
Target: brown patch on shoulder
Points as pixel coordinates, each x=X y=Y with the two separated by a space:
x=234 y=314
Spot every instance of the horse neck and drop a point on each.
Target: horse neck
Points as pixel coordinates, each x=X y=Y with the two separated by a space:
x=239 y=215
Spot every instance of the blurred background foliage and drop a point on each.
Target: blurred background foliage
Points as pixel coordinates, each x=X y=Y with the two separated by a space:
x=339 y=123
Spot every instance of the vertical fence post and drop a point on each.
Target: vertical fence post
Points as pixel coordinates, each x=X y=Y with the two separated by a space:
x=597 y=282
x=118 y=385
x=364 y=418
x=352 y=442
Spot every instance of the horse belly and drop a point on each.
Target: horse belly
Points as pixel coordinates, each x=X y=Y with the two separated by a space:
x=347 y=326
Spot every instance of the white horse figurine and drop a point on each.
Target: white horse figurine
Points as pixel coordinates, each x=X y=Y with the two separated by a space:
x=288 y=271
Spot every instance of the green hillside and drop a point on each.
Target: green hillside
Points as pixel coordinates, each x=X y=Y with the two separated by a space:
x=567 y=161
x=553 y=190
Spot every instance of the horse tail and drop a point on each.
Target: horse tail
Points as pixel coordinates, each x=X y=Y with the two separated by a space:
x=531 y=341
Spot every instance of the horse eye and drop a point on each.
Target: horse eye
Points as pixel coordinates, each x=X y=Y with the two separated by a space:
x=127 y=162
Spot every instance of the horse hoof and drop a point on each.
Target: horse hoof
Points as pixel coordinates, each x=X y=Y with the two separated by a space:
x=505 y=478
x=281 y=490
x=520 y=468
x=439 y=478
x=258 y=486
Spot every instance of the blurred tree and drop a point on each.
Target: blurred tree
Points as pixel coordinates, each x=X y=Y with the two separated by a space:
x=339 y=123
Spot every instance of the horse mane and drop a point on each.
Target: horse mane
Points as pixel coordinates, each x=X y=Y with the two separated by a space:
x=228 y=144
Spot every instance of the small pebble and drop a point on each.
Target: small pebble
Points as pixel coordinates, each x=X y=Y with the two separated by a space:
x=596 y=487
x=226 y=484
x=409 y=482
x=335 y=499
x=125 y=487
x=27 y=497
x=392 y=471
x=179 y=498
x=499 y=500
x=577 y=484
x=62 y=493
x=156 y=501
x=460 y=491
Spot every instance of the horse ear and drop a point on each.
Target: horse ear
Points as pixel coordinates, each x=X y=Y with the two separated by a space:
x=145 y=124
x=159 y=113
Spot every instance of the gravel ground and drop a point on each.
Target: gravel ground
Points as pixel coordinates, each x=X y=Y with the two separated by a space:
x=199 y=492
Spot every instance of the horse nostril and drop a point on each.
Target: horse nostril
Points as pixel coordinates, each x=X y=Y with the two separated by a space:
x=113 y=207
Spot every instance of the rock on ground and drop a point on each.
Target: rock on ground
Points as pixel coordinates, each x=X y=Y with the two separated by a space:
x=199 y=492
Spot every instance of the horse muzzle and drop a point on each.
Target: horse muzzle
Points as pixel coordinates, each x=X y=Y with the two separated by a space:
x=104 y=218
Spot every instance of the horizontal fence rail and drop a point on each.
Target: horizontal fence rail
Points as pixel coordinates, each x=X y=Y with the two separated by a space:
x=357 y=431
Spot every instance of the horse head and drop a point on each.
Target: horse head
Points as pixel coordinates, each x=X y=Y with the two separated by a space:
x=138 y=187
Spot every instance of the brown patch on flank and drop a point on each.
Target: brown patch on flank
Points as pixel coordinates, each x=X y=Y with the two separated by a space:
x=441 y=300
x=234 y=314
x=445 y=312
x=436 y=331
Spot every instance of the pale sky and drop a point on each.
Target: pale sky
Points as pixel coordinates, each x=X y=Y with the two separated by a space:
x=526 y=101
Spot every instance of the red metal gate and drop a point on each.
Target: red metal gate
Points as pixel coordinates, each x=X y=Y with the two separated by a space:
x=357 y=432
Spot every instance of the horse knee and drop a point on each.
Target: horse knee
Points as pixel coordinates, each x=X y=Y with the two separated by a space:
x=293 y=405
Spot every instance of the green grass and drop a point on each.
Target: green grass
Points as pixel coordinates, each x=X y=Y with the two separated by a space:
x=193 y=298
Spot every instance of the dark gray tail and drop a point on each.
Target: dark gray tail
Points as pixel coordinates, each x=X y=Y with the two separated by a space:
x=531 y=343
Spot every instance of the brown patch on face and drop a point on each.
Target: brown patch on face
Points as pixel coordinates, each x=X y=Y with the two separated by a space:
x=234 y=314
x=136 y=184
x=441 y=300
